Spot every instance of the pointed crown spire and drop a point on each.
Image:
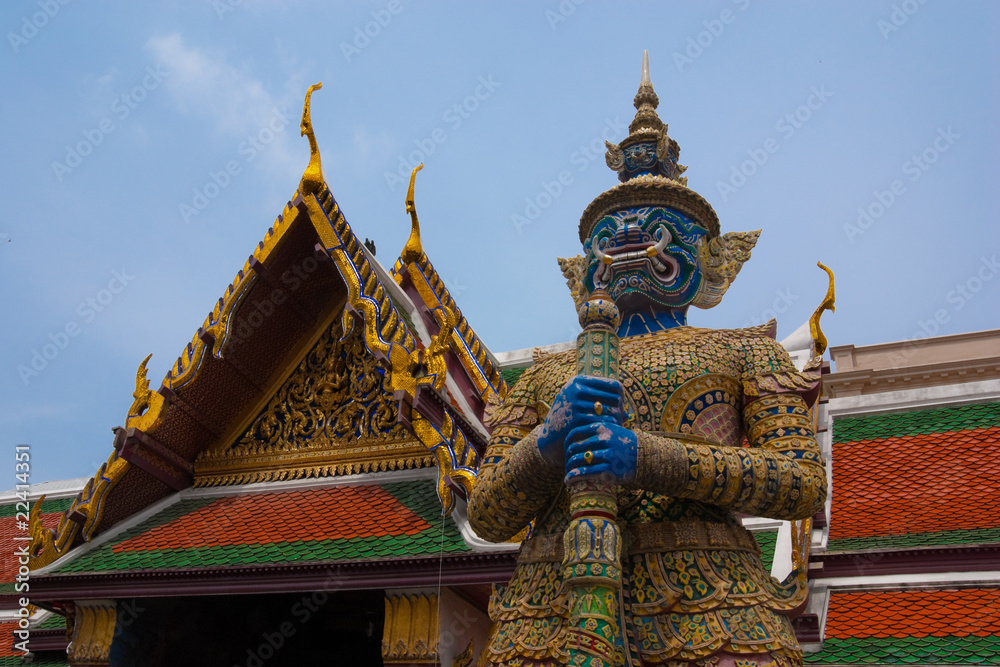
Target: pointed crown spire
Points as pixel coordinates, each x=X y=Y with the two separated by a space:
x=646 y=102
x=647 y=150
x=647 y=166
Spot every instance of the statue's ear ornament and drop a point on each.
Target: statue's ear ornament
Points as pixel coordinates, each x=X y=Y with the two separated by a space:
x=574 y=270
x=614 y=157
x=720 y=259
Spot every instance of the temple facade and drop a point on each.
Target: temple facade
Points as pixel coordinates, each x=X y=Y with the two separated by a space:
x=295 y=491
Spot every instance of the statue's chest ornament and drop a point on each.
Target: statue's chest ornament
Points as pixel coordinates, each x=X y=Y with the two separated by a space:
x=640 y=409
x=705 y=407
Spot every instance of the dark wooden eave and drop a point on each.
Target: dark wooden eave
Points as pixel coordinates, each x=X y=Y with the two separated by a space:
x=919 y=560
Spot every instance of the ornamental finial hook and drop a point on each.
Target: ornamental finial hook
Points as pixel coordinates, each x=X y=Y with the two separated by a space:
x=413 y=248
x=829 y=303
x=312 y=179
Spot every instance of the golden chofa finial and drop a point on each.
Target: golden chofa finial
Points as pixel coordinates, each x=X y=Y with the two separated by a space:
x=829 y=303
x=645 y=102
x=413 y=248
x=312 y=179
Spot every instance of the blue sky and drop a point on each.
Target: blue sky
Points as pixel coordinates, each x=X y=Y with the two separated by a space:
x=790 y=116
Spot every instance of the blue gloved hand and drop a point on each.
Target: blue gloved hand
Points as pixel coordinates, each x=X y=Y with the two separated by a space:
x=607 y=451
x=576 y=404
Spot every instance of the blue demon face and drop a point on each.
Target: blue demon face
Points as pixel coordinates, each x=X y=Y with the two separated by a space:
x=645 y=256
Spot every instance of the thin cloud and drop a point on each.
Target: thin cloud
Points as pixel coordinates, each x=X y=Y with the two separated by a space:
x=203 y=83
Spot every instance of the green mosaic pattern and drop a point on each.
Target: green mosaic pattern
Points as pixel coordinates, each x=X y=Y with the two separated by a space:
x=908 y=651
x=418 y=496
x=511 y=375
x=920 y=422
x=60 y=505
x=766 y=540
x=945 y=537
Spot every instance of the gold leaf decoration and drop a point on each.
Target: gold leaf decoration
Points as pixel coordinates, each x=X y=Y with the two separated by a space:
x=338 y=393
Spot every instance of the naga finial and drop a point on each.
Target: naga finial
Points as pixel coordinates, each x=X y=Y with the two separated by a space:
x=312 y=179
x=142 y=392
x=828 y=304
x=413 y=248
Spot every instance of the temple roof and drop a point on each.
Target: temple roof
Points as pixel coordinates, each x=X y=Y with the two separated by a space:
x=310 y=278
x=939 y=626
x=915 y=479
x=50 y=511
x=371 y=530
x=274 y=525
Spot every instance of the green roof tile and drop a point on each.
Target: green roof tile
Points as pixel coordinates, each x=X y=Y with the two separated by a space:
x=46 y=659
x=941 y=538
x=59 y=505
x=53 y=621
x=908 y=651
x=511 y=375
x=442 y=536
x=918 y=422
x=766 y=540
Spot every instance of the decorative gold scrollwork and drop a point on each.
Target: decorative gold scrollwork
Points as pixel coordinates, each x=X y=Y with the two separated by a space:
x=410 y=632
x=337 y=394
x=90 y=630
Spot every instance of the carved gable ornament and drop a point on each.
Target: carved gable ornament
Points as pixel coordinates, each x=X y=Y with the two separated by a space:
x=334 y=415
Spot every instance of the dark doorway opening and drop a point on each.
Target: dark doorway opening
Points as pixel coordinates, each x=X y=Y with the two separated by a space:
x=288 y=629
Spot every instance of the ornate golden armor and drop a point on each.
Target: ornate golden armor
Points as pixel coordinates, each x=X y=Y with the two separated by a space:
x=723 y=425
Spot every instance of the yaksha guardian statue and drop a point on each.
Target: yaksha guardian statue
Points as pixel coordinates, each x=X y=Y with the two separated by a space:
x=634 y=471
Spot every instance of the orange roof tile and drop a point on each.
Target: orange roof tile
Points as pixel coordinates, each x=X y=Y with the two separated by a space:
x=7 y=639
x=9 y=530
x=916 y=484
x=289 y=516
x=971 y=612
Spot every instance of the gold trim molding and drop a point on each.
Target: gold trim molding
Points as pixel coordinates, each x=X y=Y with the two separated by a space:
x=410 y=634
x=90 y=630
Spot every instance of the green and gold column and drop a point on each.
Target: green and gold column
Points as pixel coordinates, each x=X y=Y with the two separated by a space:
x=592 y=542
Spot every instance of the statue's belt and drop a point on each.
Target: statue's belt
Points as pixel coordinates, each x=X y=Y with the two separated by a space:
x=641 y=538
